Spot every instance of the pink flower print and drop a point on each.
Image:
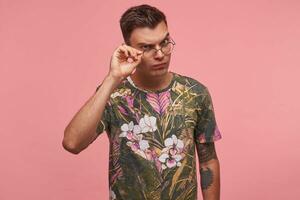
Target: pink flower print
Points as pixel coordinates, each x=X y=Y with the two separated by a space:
x=129 y=100
x=217 y=134
x=149 y=154
x=158 y=165
x=122 y=110
x=134 y=145
x=201 y=138
x=159 y=102
x=139 y=147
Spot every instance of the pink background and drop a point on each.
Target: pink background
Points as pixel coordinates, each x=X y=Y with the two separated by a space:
x=53 y=54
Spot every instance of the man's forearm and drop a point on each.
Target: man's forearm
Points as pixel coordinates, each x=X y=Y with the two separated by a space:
x=210 y=180
x=82 y=129
x=209 y=170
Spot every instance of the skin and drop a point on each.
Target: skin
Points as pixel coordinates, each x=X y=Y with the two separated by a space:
x=145 y=76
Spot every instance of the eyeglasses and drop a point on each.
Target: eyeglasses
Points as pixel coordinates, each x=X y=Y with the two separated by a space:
x=166 y=48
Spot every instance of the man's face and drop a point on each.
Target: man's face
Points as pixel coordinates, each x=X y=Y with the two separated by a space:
x=146 y=38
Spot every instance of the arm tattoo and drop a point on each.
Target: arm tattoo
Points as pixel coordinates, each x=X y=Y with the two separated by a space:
x=206 y=152
x=206 y=178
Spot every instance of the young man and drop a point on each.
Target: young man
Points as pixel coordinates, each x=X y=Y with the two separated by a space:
x=154 y=118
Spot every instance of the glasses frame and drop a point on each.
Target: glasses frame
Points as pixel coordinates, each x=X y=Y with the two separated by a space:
x=156 y=50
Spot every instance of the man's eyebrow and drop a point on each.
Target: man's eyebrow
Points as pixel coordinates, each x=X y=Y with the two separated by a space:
x=141 y=43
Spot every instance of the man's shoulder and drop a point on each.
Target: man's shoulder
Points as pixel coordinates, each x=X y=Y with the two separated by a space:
x=191 y=82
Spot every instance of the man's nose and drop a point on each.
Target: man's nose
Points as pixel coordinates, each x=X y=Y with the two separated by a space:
x=159 y=54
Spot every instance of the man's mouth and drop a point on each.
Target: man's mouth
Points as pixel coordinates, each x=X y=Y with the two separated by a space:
x=161 y=65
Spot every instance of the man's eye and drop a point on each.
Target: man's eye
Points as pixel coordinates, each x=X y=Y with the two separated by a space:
x=166 y=41
x=146 y=47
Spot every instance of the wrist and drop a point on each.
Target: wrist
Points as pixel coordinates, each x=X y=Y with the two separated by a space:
x=112 y=80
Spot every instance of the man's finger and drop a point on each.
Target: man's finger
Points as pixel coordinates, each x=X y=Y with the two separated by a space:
x=124 y=50
x=133 y=49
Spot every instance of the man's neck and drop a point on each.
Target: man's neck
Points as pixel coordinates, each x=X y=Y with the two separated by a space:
x=151 y=83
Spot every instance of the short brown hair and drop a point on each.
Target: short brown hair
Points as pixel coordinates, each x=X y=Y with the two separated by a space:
x=138 y=17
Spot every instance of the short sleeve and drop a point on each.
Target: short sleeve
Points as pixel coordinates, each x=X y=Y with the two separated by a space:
x=206 y=129
x=104 y=122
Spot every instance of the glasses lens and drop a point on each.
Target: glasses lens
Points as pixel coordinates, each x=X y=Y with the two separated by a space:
x=149 y=53
x=168 y=48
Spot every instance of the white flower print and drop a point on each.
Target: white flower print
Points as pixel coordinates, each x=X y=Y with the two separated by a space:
x=148 y=124
x=136 y=142
x=127 y=130
x=135 y=137
x=115 y=94
x=119 y=93
x=139 y=147
x=137 y=129
x=171 y=154
x=112 y=195
x=144 y=144
x=130 y=131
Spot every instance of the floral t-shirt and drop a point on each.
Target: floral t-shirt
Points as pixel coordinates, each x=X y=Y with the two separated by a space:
x=153 y=136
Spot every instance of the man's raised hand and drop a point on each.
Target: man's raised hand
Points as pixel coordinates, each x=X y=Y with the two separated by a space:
x=124 y=60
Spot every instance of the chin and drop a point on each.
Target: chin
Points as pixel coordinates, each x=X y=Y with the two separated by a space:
x=159 y=72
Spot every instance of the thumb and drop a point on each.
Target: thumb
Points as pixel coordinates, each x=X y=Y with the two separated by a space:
x=137 y=60
x=134 y=63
